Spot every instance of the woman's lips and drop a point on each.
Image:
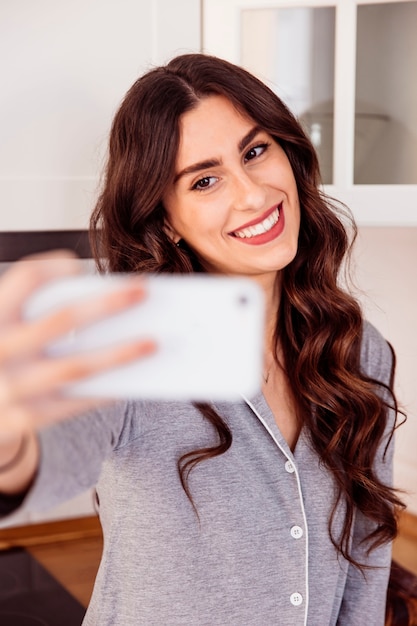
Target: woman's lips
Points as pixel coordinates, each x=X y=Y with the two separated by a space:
x=262 y=230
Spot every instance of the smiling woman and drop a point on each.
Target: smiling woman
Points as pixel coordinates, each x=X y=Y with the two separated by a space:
x=277 y=508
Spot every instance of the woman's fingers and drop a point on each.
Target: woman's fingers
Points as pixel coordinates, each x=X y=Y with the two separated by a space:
x=23 y=277
x=24 y=338
x=31 y=383
x=48 y=375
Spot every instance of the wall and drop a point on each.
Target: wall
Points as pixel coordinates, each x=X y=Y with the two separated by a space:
x=64 y=69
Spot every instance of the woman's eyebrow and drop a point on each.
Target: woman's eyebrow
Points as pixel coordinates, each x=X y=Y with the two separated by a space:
x=204 y=165
x=243 y=143
x=196 y=167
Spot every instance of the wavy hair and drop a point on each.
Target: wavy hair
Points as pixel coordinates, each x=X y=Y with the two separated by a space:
x=319 y=325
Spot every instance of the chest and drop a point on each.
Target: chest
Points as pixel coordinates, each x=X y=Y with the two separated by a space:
x=281 y=402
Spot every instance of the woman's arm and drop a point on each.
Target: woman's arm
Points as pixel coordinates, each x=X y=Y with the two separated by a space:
x=30 y=382
x=365 y=592
x=364 y=598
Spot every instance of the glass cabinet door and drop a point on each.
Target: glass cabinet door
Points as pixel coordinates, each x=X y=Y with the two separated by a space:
x=302 y=75
x=386 y=94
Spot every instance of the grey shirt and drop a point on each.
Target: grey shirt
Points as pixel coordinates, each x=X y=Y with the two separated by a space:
x=259 y=552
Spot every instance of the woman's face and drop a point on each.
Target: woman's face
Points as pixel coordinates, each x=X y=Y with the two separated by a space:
x=234 y=199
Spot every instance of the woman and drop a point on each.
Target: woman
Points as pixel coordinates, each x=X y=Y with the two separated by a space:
x=276 y=509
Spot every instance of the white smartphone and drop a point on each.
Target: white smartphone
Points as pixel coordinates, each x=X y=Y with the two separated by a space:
x=208 y=330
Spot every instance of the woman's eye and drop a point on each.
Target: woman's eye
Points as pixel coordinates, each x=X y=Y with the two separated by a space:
x=204 y=183
x=255 y=151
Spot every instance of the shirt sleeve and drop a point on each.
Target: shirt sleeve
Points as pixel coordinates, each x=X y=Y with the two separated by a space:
x=71 y=456
x=364 y=598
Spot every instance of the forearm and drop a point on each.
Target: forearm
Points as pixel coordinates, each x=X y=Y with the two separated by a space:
x=19 y=459
x=365 y=594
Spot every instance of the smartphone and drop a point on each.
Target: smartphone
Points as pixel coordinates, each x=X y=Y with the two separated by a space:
x=208 y=330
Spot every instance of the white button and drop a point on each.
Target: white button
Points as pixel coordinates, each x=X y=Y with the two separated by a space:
x=289 y=467
x=296 y=532
x=296 y=599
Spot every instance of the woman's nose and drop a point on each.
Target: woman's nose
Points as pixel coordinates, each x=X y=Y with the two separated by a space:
x=248 y=193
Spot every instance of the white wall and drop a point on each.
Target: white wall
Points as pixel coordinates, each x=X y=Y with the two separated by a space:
x=64 y=68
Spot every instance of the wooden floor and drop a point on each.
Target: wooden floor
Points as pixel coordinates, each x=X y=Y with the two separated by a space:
x=72 y=552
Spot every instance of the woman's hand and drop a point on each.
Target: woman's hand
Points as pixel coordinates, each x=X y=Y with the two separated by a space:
x=30 y=381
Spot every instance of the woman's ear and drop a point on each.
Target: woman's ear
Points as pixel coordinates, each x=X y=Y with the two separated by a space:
x=171 y=232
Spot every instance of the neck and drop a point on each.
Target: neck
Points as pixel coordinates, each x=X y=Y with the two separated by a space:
x=272 y=293
x=272 y=301
x=271 y=286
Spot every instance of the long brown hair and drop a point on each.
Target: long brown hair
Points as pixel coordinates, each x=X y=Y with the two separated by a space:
x=319 y=325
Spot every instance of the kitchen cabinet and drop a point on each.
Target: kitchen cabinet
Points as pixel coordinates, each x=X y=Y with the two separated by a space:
x=347 y=69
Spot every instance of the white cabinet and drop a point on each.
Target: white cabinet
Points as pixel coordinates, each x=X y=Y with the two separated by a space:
x=347 y=68
x=65 y=67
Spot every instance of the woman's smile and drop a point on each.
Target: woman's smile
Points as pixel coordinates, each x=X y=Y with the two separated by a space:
x=260 y=231
x=234 y=199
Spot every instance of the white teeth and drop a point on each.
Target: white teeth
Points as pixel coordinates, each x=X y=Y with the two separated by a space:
x=259 y=229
